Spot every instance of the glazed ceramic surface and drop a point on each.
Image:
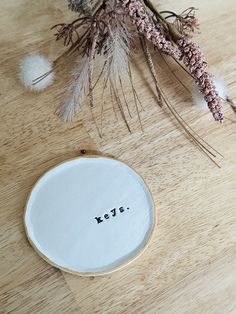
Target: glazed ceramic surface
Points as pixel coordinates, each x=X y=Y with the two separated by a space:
x=90 y=215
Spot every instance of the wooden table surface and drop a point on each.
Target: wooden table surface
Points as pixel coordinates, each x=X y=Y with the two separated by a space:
x=190 y=266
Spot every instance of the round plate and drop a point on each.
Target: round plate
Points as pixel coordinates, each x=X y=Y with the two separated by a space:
x=90 y=215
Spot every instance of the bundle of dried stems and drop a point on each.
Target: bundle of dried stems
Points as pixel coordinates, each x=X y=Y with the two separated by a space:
x=107 y=32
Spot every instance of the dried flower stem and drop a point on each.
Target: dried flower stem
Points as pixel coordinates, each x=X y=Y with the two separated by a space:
x=186 y=128
x=189 y=131
x=103 y=105
x=173 y=73
x=78 y=90
x=199 y=145
x=175 y=35
x=100 y=74
x=135 y=98
x=106 y=33
x=145 y=25
x=113 y=105
x=195 y=61
x=125 y=100
x=120 y=106
x=90 y=69
x=151 y=68
x=95 y=122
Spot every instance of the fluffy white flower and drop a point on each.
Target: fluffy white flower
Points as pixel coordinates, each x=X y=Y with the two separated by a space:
x=31 y=68
x=198 y=98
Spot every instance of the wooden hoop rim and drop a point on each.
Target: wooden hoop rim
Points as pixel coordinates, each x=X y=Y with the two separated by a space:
x=89 y=274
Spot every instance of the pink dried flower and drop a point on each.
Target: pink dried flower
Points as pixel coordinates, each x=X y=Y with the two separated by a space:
x=65 y=31
x=194 y=60
x=145 y=25
x=186 y=22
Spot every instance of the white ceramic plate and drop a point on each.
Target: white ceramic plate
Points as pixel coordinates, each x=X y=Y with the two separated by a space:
x=90 y=215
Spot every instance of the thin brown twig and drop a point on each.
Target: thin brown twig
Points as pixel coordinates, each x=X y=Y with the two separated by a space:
x=135 y=99
x=186 y=127
x=183 y=68
x=136 y=94
x=90 y=68
x=139 y=101
x=95 y=122
x=150 y=63
x=42 y=77
x=100 y=74
x=125 y=100
x=203 y=139
x=201 y=147
x=173 y=73
x=112 y=102
x=102 y=109
x=120 y=107
x=200 y=138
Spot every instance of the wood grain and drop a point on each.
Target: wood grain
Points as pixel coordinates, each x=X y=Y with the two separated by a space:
x=190 y=265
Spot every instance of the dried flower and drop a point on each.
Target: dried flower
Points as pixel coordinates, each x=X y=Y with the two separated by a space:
x=117 y=48
x=34 y=66
x=198 y=98
x=186 y=22
x=197 y=65
x=67 y=32
x=145 y=25
x=103 y=31
x=78 y=89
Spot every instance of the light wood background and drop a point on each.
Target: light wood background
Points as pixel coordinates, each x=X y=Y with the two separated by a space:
x=190 y=266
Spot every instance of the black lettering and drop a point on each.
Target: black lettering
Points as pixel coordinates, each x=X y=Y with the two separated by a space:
x=98 y=219
x=121 y=209
x=113 y=211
